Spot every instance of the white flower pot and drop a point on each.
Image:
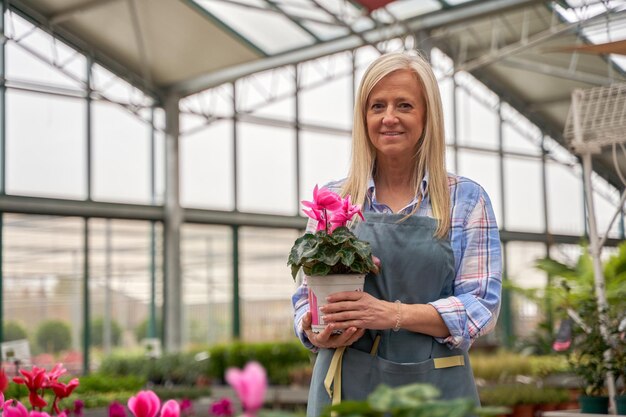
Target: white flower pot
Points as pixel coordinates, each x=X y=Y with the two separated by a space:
x=322 y=287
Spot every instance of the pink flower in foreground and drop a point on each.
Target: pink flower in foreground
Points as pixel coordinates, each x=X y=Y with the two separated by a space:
x=117 y=410
x=38 y=414
x=250 y=385
x=186 y=406
x=17 y=410
x=56 y=372
x=170 y=409
x=34 y=380
x=61 y=391
x=319 y=216
x=144 y=404
x=323 y=199
x=4 y=381
x=345 y=213
x=222 y=408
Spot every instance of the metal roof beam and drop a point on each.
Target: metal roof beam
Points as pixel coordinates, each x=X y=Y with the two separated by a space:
x=555 y=71
x=425 y=22
x=81 y=46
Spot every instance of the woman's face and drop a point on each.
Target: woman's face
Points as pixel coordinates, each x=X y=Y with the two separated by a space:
x=395 y=114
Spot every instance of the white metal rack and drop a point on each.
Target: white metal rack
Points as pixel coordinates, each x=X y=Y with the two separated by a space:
x=597 y=119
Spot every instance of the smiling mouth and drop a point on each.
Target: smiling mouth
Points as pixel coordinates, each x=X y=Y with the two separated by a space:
x=391 y=133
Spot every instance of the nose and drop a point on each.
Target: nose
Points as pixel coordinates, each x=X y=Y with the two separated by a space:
x=389 y=117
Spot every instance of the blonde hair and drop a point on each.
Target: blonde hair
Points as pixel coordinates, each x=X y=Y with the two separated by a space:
x=430 y=154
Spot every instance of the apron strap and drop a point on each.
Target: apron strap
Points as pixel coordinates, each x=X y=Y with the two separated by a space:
x=334 y=372
x=334 y=375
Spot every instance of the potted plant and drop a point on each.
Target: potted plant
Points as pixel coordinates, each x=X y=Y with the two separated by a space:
x=333 y=258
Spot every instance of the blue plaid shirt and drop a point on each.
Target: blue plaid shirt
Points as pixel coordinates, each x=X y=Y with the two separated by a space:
x=473 y=309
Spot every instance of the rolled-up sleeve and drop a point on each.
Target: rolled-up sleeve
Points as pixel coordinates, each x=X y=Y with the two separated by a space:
x=473 y=309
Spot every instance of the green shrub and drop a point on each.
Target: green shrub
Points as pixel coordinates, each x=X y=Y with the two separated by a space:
x=141 y=331
x=183 y=368
x=97 y=332
x=505 y=365
x=514 y=394
x=13 y=331
x=53 y=336
x=99 y=382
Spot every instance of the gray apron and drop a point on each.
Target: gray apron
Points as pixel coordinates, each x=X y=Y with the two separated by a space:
x=417 y=268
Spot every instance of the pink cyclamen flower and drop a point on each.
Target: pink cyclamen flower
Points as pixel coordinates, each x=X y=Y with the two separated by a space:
x=14 y=410
x=117 y=410
x=186 y=406
x=222 y=408
x=4 y=381
x=144 y=404
x=56 y=372
x=35 y=379
x=35 y=413
x=170 y=409
x=323 y=199
x=78 y=408
x=345 y=213
x=61 y=391
x=319 y=216
x=250 y=385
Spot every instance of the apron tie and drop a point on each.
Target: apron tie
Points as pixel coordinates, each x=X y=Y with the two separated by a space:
x=334 y=375
x=334 y=372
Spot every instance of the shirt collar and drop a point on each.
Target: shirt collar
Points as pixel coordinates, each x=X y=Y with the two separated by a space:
x=371 y=187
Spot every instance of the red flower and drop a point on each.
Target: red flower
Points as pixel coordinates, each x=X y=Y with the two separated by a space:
x=56 y=372
x=222 y=408
x=62 y=391
x=4 y=381
x=34 y=380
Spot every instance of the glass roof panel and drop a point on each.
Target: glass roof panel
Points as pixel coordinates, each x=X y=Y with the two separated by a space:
x=253 y=23
x=305 y=9
x=609 y=30
x=326 y=32
x=405 y=9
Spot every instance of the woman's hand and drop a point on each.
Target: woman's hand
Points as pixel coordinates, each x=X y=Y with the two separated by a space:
x=326 y=339
x=358 y=309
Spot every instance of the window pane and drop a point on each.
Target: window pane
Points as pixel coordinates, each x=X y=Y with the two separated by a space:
x=206 y=167
x=323 y=158
x=266 y=169
x=121 y=155
x=515 y=141
x=45 y=153
x=523 y=195
x=268 y=94
x=207 y=270
x=266 y=284
x=43 y=274
x=326 y=97
x=477 y=124
x=120 y=281
x=565 y=199
x=485 y=170
x=521 y=258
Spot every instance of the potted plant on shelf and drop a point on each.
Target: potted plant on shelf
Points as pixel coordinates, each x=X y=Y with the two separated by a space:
x=333 y=258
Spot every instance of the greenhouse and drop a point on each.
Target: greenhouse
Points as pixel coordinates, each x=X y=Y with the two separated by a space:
x=154 y=155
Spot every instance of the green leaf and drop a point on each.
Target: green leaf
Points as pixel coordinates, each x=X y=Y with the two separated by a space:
x=320 y=269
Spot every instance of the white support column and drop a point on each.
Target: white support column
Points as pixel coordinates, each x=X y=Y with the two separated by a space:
x=173 y=221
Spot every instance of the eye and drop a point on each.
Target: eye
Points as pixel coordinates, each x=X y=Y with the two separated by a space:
x=377 y=106
x=405 y=106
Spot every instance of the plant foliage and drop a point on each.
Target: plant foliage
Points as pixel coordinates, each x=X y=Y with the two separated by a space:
x=340 y=252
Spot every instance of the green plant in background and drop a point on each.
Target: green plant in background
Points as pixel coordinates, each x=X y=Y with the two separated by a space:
x=141 y=331
x=575 y=291
x=505 y=366
x=53 y=336
x=97 y=332
x=13 y=330
x=409 y=400
x=510 y=395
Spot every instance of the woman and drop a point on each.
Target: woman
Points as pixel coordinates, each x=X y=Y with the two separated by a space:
x=436 y=236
